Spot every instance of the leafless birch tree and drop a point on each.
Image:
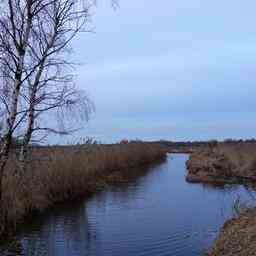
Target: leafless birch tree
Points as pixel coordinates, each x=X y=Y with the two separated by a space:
x=50 y=85
x=16 y=20
x=35 y=37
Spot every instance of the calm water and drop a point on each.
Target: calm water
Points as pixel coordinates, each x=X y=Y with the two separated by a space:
x=159 y=214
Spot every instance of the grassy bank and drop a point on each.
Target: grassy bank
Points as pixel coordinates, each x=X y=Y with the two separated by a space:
x=229 y=163
x=237 y=237
x=224 y=163
x=57 y=174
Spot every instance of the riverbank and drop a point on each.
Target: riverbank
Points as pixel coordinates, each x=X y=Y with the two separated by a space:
x=57 y=174
x=237 y=237
x=223 y=164
x=228 y=164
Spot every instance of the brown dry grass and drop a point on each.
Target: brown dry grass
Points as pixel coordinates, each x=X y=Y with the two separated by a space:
x=241 y=155
x=224 y=162
x=64 y=173
x=237 y=237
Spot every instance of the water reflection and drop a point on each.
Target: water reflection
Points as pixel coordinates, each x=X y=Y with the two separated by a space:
x=156 y=214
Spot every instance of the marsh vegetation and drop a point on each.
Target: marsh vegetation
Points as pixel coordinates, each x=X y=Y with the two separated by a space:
x=57 y=174
x=223 y=162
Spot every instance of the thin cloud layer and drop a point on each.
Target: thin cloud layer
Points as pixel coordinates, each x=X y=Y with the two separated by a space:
x=170 y=57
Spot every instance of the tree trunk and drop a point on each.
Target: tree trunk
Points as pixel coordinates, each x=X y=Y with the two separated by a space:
x=7 y=139
x=23 y=158
x=31 y=116
x=10 y=122
x=31 y=120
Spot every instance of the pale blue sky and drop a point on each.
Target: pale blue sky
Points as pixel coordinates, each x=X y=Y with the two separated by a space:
x=170 y=69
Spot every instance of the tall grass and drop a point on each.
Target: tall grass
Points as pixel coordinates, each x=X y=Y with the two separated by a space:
x=57 y=174
x=241 y=155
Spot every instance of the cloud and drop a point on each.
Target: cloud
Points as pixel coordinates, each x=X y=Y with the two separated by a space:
x=172 y=57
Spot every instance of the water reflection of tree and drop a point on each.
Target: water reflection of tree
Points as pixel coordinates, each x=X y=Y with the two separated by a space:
x=67 y=229
x=60 y=232
x=136 y=181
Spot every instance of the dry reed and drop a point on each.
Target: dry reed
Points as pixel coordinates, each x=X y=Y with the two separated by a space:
x=62 y=173
x=241 y=155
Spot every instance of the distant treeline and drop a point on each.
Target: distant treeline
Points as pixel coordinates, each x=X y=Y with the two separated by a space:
x=178 y=144
x=16 y=143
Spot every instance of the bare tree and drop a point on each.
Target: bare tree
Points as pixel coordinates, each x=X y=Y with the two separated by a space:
x=50 y=86
x=35 y=37
x=15 y=28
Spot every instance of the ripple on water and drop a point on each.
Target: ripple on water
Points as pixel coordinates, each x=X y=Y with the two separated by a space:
x=157 y=215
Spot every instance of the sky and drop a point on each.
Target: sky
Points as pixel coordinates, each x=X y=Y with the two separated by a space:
x=174 y=70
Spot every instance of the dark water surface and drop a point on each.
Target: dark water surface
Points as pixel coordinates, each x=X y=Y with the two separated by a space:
x=159 y=214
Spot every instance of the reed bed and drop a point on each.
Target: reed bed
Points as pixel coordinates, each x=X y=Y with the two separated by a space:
x=237 y=237
x=57 y=174
x=229 y=163
x=241 y=155
x=225 y=163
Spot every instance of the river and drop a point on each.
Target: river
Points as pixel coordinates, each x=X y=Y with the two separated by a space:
x=158 y=214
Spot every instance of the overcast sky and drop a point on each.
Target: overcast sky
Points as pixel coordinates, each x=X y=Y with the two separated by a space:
x=170 y=69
